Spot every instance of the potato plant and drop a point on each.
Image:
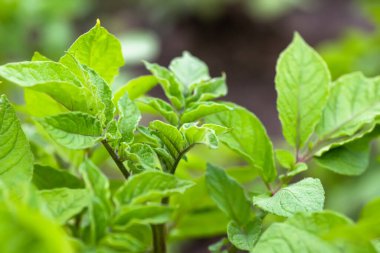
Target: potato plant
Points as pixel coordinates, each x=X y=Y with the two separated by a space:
x=55 y=198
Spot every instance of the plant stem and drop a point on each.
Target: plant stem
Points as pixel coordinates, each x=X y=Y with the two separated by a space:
x=116 y=159
x=159 y=238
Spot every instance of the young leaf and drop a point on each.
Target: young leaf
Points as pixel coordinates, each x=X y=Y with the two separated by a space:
x=353 y=104
x=228 y=195
x=150 y=185
x=189 y=70
x=73 y=130
x=144 y=214
x=135 y=88
x=140 y=157
x=171 y=87
x=248 y=138
x=37 y=56
x=27 y=74
x=302 y=84
x=209 y=90
x=64 y=203
x=288 y=239
x=46 y=178
x=163 y=108
x=244 y=237
x=99 y=50
x=285 y=158
x=129 y=118
x=16 y=158
x=199 y=135
x=100 y=204
x=306 y=195
x=201 y=109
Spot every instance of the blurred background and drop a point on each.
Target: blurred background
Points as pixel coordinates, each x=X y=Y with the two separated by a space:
x=242 y=38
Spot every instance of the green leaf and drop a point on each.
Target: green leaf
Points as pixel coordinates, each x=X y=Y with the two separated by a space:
x=100 y=208
x=99 y=50
x=150 y=185
x=72 y=97
x=244 y=237
x=171 y=87
x=16 y=158
x=162 y=107
x=37 y=56
x=353 y=105
x=228 y=195
x=202 y=109
x=170 y=136
x=64 y=203
x=27 y=74
x=74 y=130
x=209 y=90
x=285 y=238
x=129 y=119
x=140 y=157
x=45 y=178
x=199 y=135
x=302 y=84
x=189 y=70
x=40 y=104
x=144 y=214
x=101 y=91
x=248 y=138
x=285 y=158
x=135 y=88
x=350 y=159
x=306 y=195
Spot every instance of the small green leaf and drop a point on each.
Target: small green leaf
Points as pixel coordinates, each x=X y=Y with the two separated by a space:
x=16 y=157
x=285 y=158
x=171 y=87
x=100 y=208
x=99 y=50
x=150 y=185
x=73 y=130
x=302 y=84
x=135 y=88
x=64 y=203
x=162 y=107
x=244 y=237
x=202 y=109
x=189 y=70
x=285 y=238
x=248 y=138
x=45 y=178
x=209 y=90
x=306 y=195
x=129 y=118
x=37 y=56
x=27 y=74
x=144 y=214
x=140 y=157
x=199 y=135
x=228 y=195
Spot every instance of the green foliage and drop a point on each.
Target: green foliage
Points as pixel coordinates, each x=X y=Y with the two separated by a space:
x=75 y=123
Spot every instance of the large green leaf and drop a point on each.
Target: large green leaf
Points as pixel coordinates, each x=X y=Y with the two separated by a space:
x=285 y=238
x=45 y=178
x=351 y=111
x=129 y=118
x=189 y=70
x=27 y=74
x=16 y=158
x=244 y=237
x=202 y=109
x=100 y=199
x=306 y=195
x=73 y=130
x=64 y=203
x=150 y=185
x=302 y=84
x=99 y=50
x=171 y=87
x=248 y=138
x=228 y=195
